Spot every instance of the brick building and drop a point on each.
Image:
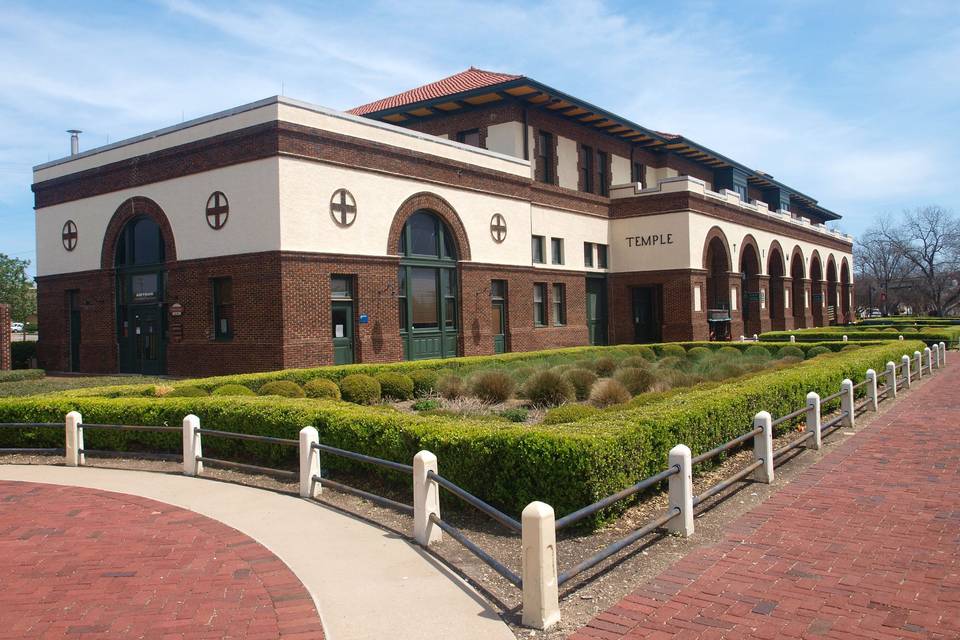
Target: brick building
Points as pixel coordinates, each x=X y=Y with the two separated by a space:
x=481 y=213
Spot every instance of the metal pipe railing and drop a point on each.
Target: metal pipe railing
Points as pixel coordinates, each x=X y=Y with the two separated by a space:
x=248 y=467
x=723 y=484
x=589 y=510
x=474 y=501
x=492 y=562
x=389 y=464
x=130 y=427
x=366 y=495
x=793 y=445
x=789 y=416
x=233 y=435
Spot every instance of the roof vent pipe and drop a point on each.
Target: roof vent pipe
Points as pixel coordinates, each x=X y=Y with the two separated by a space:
x=74 y=141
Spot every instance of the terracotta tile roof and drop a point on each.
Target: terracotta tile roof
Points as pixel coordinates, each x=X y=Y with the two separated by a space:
x=468 y=80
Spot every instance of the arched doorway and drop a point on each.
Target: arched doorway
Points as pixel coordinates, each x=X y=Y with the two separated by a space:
x=427 y=288
x=816 y=287
x=750 y=288
x=799 y=302
x=717 y=263
x=775 y=268
x=832 y=306
x=139 y=258
x=845 y=292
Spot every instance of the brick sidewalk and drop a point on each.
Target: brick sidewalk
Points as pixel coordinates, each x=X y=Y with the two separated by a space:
x=83 y=563
x=863 y=544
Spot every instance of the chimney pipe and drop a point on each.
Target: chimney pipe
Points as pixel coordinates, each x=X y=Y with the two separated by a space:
x=74 y=141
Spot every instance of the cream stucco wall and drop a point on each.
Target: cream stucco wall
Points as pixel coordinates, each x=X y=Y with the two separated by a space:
x=506 y=138
x=567 y=163
x=650 y=243
x=253 y=225
x=575 y=229
x=620 y=170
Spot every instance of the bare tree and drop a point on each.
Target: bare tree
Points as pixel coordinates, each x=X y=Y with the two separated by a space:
x=880 y=263
x=928 y=239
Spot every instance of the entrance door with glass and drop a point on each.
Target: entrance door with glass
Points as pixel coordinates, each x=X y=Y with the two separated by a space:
x=341 y=288
x=646 y=314
x=597 y=310
x=498 y=315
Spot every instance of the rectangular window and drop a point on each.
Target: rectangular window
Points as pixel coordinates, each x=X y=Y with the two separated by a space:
x=602 y=256
x=637 y=172
x=470 y=137
x=741 y=190
x=424 y=289
x=559 y=304
x=222 y=308
x=538 y=249
x=556 y=250
x=588 y=254
x=402 y=298
x=498 y=289
x=539 y=304
x=545 y=157
x=603 y=173
x=586 y=169
x=341 y=287
x=448 y=277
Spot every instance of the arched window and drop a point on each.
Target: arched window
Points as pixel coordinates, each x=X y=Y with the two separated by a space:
x=140 y=243
x=426 y=236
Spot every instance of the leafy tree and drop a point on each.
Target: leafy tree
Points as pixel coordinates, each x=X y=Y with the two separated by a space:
x=16 y=289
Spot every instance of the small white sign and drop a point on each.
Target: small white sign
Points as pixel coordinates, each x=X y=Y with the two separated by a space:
x=338 y=331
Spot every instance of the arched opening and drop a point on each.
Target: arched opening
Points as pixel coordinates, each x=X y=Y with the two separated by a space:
x=845 y=292
x=832 y=302
x=775 y=268
x=717 y=264
x=750 y=288
x=139 y=257
x=816 y=289
x=799 y=302
x=427 y=287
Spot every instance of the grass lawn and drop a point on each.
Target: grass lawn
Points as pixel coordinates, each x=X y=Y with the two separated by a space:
x=52 y=384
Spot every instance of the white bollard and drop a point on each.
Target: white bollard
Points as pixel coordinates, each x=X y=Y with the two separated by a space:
x=793 y=338
x=891 y=381
x=309 y=463
x=680 y=490
x=872 y=390
x=743 y=338
x=846 y=404
x=900 y=337
x=905 y=361
x=813 y=421
x=192 y=448
x=943 y=352
x=73 y=426
x=928 y=356
x=756 y=338
x=426 y=499
x=918 y=364
x=541 y=599
x=763 y=447
x=845 y=337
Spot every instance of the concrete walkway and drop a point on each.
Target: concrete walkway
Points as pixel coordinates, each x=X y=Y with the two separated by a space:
x=864 y=544
x=366 y=583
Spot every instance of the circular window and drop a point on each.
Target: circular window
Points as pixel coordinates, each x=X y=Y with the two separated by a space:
x=498 y=228
x=218 y=210
x=69 y=235
x=343 y=208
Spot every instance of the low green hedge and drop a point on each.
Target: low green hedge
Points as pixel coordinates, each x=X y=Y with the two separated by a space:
x=948 y=335
x=21 y=374
x=509 y=465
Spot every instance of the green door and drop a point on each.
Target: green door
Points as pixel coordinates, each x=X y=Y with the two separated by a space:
x=597 y=310
x=147 y=339
x=498 y=315
x=646 y=315
x=342 y=332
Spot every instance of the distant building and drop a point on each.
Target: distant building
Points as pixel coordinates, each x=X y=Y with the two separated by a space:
x=482 y=213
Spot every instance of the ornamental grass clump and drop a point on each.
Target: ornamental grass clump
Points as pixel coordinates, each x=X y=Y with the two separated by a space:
x=634 y=380
x=232 y=390
x=634 y=362
x=646 y=353
x=360 y=389
x=608 y=392
x=283 y=388
x=548 y=389
x=321 y=388
x=424 y=381
x=582 y=380
x=604 y=366
x=493 y=386
x=451 y=386
x=395 y=386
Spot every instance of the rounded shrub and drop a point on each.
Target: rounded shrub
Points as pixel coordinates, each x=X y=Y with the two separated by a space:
x=635 y=381
x=187 y=392
x=634 y=362
x=607 y=393
x=850 y=347
x=813 y=352
x=360 y=389
x=604 y=366
x=394 y=385
x=232 y=390
x=756 y=351
x=582 y=380
x=284 y=388
x=451 y=386
x=730 y=352
x=322 y=388
x=548 y=389
x=424 y=381
x=646 y=353
x=674 y=350
x=493 y=386
x=583 y=363
x=698 y=353
x=670 y=362
x=789 y=352
x=569 y=413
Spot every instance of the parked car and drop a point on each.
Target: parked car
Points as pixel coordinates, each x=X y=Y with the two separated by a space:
x=874 y=313
x=16 y=327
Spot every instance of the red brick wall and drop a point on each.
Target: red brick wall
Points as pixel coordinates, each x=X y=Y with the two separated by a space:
x=679 y=320
x=5 y=356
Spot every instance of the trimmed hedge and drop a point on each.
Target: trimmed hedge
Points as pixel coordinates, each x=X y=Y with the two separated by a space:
x=360 y=389
x=568 y=465
x=395 y=385
x=21 y=374
x=232 y=390
x=948 y=335
x=322 y=388
x=283 y=388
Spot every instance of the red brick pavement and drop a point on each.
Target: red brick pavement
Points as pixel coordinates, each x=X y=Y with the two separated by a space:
x=83 y=563
x=863 y=544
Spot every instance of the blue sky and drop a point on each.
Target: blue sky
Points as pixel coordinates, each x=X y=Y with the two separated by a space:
x=854 y=103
